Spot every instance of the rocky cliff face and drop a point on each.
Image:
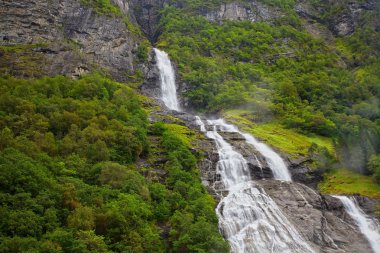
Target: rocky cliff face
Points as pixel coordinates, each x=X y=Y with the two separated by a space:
x=76 y=39
x=341 y=21
x=147 y=16
x=253 y=11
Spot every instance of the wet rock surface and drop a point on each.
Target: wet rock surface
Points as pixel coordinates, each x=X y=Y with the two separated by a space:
x=301 y=171
x=321 y=220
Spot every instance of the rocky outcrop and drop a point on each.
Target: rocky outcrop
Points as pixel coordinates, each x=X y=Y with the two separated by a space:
x=253 y=11
x=76 y=39
x=342 y=19
x=256 y=162
x=147 y=13
x=321 y=220
x=302 y=172
x=151 y=85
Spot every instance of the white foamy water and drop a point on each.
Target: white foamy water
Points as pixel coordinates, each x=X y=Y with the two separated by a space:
x=275 y=162
x=167 y=78
x=248 y=218
x=200 y=123
x=370 y=228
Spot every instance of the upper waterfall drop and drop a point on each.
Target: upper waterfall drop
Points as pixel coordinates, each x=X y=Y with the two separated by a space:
x=370 y=228
x=167 y=79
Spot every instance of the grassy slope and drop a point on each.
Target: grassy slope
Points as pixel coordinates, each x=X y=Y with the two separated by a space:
x=344 y=181
x=287 y=141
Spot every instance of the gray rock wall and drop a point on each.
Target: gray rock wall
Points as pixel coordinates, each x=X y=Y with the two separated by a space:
x=78 y=39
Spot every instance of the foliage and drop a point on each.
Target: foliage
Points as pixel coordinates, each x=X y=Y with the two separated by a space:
x=374 y=166
x=344 y=181
x=193 y=221
x=68 y=178
x=133 y=28
x=287 y=141
x=102 y=7
x=143 y=51
x=21 y=60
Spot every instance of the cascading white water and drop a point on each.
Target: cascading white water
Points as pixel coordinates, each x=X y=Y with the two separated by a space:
x=249 y=219
x=275 y=162
x=167 y=78
x=232 y=167
x=200 y=123
x=370 y=228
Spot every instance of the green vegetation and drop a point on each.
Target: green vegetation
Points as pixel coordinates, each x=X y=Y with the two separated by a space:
x=133 y=28
x=193 y=220
x=104 y=7
x=374 y=167
x=143 y=51
x=21 y=60
x=286 y=140
x=68 y=178
x=344 y=181
x=282 y=73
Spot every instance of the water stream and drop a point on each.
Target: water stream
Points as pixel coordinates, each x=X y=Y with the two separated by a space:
x=370 y=228
x=167 y=79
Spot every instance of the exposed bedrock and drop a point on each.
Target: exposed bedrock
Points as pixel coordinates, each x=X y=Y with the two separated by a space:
x=321 y=219
x=75 y=38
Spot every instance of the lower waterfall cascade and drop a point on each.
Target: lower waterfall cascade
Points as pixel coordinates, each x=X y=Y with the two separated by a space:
x=248 y=218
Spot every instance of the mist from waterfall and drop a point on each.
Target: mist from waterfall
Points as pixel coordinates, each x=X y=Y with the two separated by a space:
x=167 y=79
x=370 y=228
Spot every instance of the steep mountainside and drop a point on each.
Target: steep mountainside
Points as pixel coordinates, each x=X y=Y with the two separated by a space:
x=91 y=159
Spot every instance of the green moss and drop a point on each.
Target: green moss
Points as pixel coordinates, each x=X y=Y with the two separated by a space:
x=21 y=48
x=287 y=141
x=133 y=28
x=344 y=181
x=21 y=60
x=104 y=7
x=182 y=132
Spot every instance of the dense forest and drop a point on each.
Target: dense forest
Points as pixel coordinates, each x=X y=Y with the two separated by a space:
x=68 y=177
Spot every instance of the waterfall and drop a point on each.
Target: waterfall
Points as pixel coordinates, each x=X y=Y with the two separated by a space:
x=275 y=162
x=248 y=218
x=167 y=78
x=370 y=228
